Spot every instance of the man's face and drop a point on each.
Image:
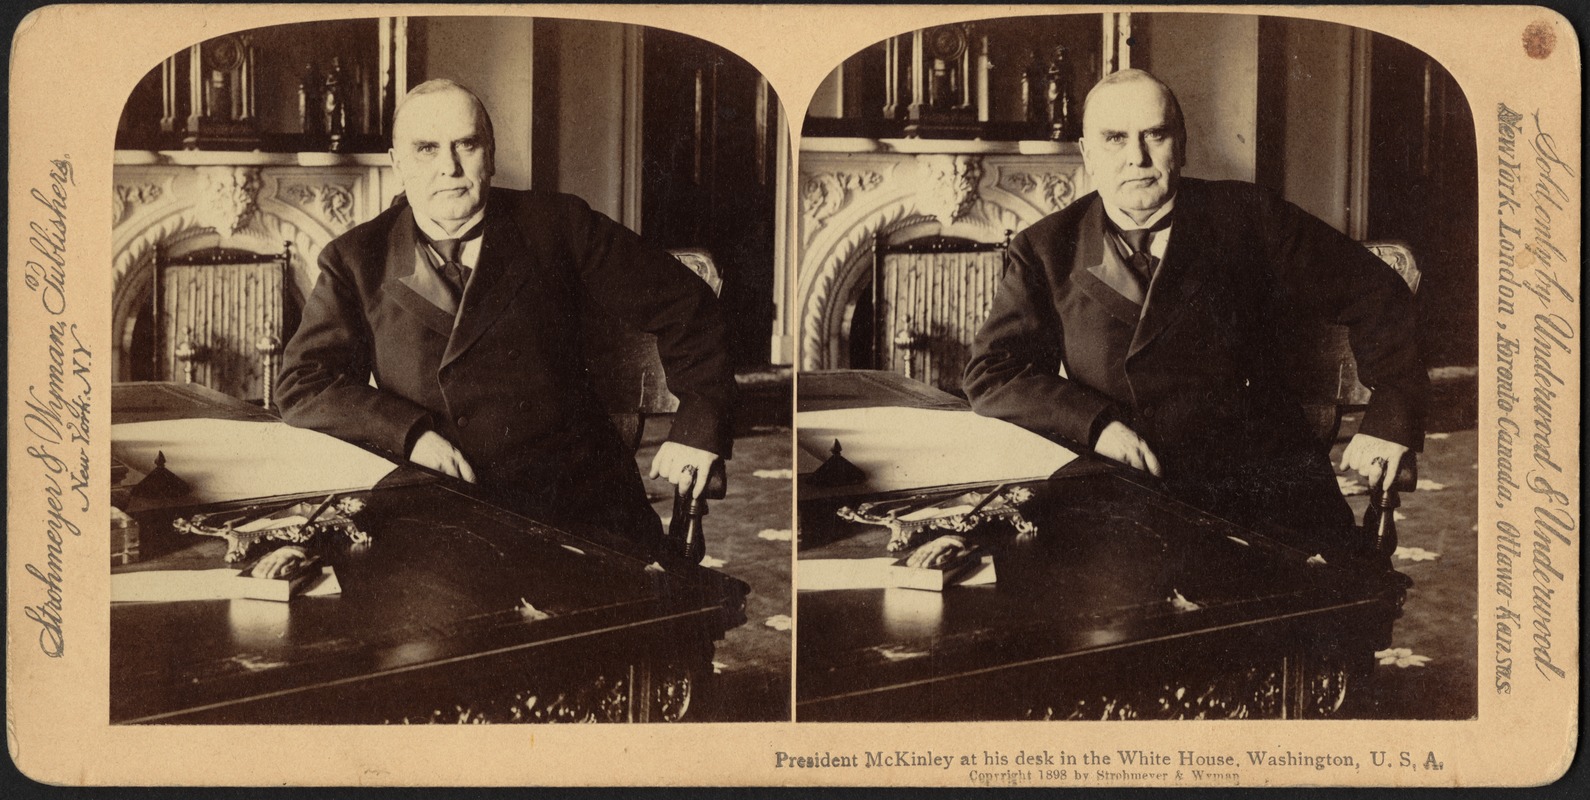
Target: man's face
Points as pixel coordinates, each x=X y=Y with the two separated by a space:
x=442 y=155
x=1131 y=148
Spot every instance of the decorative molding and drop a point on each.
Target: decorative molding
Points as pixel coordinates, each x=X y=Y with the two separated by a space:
x=133 y=264
x=1252 y=693
x=1019 y=182
x=228 y=197
x=822 y=319
x=846 y=198
x=142 y=247
x=822 y=309
x=252 y=206
x=308 y=205
x=126 y=196
x=1400 y=258
x=1050 y=191
x=266 y=229
x=602 y=698
x=994 y=218
x=826 y=194
x=331 y=203
x=300 y=193
x=1307 y=687
x=950 y=185
x=672 y=690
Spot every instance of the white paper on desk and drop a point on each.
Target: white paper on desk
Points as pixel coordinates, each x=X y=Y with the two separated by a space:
x=833 y=574
x=171 y=585
x=980 y=575
x=836 y=574
x=234 y=460
x=917 y=448
x=323 y=585
x=177 y=585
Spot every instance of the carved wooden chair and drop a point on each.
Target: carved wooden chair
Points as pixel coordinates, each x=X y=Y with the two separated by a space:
x=1327 y=378
x=628 y=377
x=220 y=317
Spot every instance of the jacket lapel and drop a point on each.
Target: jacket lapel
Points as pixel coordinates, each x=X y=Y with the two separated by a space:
x=1188 y=257
x=1099 y=272
x=418 y=290
x=505 y=263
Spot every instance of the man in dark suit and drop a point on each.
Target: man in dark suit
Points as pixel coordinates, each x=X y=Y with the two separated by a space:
x=1149 y=320
x=465 y=303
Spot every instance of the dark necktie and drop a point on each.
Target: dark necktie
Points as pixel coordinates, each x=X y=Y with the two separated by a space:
x=452 y=268
x=1137 y=239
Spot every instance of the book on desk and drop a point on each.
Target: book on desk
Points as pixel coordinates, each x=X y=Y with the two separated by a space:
x=938 y=577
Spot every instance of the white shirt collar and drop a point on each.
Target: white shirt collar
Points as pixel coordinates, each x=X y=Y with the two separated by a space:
x=1126 y=223
x=429 y=227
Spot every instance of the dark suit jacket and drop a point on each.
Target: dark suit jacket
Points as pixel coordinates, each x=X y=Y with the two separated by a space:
x=507 y=383
x=1198 y=369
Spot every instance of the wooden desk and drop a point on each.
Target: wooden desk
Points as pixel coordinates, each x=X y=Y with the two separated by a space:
x=1080 y=624
x=457 y=612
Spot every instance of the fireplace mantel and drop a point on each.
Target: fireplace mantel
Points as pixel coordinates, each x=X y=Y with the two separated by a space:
x=182 y=201
x=852 y=189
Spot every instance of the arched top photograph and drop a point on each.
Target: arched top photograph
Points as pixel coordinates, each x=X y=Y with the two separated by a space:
x=427 y=324
x=1193 y=300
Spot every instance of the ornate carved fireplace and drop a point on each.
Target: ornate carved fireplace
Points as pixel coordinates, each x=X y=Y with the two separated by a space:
x=180 y=203
x=853 y=190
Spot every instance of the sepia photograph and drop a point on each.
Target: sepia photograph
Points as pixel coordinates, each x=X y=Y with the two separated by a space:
x=435 y=341
x=1138 y=375
x=879 y=387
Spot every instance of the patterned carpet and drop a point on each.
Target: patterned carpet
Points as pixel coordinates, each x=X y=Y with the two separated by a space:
x=748 y=537
x=1429 y=672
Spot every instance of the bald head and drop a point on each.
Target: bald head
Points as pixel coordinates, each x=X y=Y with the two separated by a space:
x=1133 y=142
x=1134 y=76
x=443 y=150
x=442 y=86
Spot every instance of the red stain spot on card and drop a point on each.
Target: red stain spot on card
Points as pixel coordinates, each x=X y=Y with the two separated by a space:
x=1539 y=39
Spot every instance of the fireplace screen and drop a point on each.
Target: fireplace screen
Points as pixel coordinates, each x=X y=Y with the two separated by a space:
x=929 y=296
x=220 y=317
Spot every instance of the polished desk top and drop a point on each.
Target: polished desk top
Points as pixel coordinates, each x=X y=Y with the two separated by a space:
x=1109 y=554
x=447 y=579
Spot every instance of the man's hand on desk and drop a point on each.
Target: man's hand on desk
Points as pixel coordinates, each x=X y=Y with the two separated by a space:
x=431 y=450
x=1374 y=458
x=1120 y=443
x=281 y=562
x=939 y=551
x=684 y=466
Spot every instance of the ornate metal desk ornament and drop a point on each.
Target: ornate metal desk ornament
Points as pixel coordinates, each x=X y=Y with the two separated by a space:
x=910 y=519
x=297 y=523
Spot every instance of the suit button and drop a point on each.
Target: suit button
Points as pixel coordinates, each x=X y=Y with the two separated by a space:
x=524 y=405
x=463 y=422
x=1148 y=413
x=513 y=354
